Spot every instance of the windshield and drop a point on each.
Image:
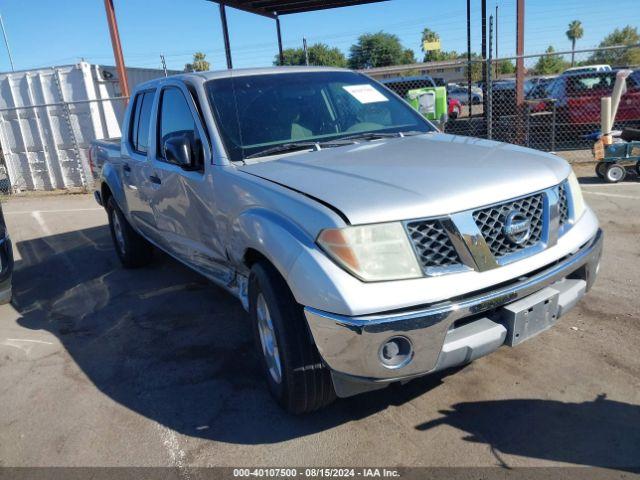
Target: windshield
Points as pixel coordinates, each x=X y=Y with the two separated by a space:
x=259 y=112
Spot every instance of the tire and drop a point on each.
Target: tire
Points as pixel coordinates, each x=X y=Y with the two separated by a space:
x=601 y=168
x=638 y=168
x=615 y=173
x=132 y=249
x=296 y=376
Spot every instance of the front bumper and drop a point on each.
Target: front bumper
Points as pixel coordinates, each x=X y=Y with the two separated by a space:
x=445 y=334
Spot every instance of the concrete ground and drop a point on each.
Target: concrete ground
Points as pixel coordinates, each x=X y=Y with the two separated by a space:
x=101 y=366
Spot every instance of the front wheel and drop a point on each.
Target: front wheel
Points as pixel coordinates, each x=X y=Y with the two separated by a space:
x=295 y=373
x=615 y=173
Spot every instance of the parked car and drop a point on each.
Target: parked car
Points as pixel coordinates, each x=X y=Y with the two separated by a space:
x=367 y=247
x=577 y=97
x=539 y=87
x=6 y=261
x=461 y=94
x=401 y=85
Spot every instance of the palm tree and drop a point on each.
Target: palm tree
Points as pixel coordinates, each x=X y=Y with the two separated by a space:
x=574 y=33
x=429 y=35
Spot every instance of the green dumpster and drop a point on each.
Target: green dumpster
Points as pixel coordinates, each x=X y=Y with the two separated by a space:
x=430 y=102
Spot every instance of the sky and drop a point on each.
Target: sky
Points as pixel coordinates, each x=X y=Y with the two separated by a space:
x=45 y=33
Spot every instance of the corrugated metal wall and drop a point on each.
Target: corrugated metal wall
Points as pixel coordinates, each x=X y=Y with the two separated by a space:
x=48 y=118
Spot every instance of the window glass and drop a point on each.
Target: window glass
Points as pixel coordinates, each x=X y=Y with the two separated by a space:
x=585 y=83
x=144 y=121
x=256 y=112
x=175 y=115
x=176 y=120
x=133 y=126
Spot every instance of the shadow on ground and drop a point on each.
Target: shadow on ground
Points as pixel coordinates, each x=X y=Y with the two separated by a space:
x=602 y=432
x=165 y=343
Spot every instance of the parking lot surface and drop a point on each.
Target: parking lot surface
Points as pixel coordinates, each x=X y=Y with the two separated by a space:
x=101 y=366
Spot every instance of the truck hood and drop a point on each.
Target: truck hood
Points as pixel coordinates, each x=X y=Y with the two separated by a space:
x=413 y=177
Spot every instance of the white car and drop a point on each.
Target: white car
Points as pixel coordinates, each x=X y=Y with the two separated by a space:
x=589 y=68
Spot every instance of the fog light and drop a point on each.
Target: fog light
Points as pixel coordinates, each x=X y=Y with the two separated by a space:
x=396 y=352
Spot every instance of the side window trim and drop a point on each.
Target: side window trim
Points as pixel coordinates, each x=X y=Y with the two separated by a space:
x=139 y=99
x=135 y=119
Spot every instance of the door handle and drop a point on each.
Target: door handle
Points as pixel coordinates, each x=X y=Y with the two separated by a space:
x=126 y=168
x=155 y=179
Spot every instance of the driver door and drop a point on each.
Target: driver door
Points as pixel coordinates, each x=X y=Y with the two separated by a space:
x=183 y=198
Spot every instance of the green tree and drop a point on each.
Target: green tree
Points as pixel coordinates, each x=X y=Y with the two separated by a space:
x=575 y=32
x=199 y=63
x=378 y=50
x=476 y=66
x=623 y=56
x=506 y=67
x=320 y=54
x=408 y=57
x=429 y=35
x=549 y=64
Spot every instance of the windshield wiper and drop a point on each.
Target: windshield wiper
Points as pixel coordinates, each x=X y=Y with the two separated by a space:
x=285 y=147
x=293 y=146
x=379 y=135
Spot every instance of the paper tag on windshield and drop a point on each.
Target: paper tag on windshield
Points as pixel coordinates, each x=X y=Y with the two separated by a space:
x=365 y=93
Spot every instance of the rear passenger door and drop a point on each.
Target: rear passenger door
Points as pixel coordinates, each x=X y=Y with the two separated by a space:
x=136 y=164
x=184 y=204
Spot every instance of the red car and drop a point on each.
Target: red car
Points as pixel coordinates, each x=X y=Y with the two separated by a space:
x=577 y=97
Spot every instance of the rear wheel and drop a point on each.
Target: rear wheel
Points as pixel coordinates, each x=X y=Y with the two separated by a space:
x=615 y=173
x=294 y=371
x=133 y=250
x=601 y=168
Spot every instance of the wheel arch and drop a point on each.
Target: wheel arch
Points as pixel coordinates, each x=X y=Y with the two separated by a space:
x=262 y=235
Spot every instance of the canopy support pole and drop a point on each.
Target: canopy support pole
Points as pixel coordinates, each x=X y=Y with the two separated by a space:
x=225 y=34
x=280 y=53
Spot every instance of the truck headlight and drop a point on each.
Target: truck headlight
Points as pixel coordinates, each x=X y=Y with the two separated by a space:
x=576 y=196
x=372 y=252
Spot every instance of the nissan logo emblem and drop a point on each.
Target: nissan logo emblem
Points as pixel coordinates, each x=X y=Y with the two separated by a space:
x=517 y=227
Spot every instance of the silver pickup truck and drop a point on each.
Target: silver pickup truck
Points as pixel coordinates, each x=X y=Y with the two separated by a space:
x=367 y=247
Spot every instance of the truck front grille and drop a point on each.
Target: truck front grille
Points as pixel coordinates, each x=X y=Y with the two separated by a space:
x=436 y=240
x=491 y=222
x=563 y=203
x=432 y=244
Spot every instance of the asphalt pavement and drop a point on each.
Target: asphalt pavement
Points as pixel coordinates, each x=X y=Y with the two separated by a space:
x=101 y=366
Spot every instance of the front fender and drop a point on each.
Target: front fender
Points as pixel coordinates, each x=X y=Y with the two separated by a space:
x=288 y=247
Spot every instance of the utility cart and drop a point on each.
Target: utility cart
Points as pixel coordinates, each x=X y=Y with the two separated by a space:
x=614 y=159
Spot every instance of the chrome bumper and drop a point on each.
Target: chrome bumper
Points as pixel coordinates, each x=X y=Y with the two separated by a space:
x=350 y=345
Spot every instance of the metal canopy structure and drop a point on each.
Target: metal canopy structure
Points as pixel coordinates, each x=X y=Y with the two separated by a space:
x=274 y=9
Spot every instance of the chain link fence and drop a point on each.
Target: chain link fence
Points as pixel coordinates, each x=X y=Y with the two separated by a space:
x=557 y=111
x=46 y=146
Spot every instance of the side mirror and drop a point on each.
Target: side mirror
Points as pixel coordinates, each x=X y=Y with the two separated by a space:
x=177 y=150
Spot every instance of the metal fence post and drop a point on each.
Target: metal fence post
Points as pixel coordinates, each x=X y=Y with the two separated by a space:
x=527 y=119
x=553 y=125
x=489 y=86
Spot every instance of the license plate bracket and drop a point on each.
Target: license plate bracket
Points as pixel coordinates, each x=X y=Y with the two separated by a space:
x=529 y=316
